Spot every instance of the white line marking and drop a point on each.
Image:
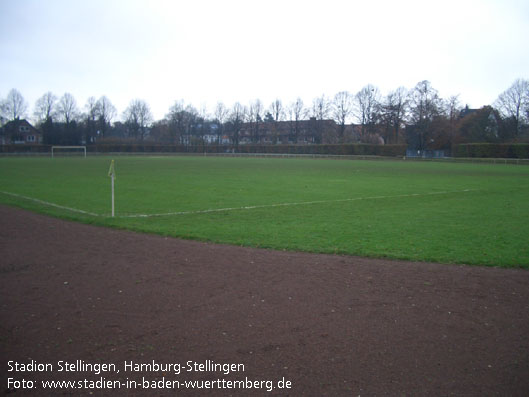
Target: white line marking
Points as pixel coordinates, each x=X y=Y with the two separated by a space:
x=49 y=204
x=288 y=204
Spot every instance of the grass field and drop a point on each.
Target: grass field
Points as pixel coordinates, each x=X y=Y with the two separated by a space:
x=425 y=211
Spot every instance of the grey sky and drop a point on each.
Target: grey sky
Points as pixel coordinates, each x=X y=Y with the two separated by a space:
x=209 y=51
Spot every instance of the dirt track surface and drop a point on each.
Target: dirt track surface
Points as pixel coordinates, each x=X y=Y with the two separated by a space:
x=331 y=325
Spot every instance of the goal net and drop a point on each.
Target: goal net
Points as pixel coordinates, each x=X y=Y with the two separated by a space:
x=68 y=151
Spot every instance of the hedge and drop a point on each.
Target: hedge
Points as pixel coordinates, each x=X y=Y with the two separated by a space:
x=25 y=149
x=347 y=149
x=469 y=150
x=492 y=150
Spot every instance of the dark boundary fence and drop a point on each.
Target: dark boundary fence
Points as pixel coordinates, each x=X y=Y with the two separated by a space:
x=475 y=152
x=348 y=149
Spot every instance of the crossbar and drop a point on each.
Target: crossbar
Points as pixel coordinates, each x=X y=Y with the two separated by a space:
x=67 y=147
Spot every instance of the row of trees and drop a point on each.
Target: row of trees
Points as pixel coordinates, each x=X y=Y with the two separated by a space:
x=433 y=118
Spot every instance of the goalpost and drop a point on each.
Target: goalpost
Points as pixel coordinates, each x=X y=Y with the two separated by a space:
x=72 y=148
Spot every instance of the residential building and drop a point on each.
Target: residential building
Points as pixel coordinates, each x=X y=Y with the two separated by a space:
x=19 y=132
x=287 y=132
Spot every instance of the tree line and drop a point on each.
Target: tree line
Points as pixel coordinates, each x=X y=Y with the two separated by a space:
x=403 y=115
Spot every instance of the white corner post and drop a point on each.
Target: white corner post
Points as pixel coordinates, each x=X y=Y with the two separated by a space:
x=112 y=183
x=112 y=175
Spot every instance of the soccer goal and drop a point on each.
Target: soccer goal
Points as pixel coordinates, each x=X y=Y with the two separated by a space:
x=68 y=150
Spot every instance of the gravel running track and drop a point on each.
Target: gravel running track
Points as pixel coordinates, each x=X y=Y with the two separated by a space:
x=331 y=325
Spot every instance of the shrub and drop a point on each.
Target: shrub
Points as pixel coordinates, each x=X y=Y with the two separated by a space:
x=492 y=150
x=324 y=149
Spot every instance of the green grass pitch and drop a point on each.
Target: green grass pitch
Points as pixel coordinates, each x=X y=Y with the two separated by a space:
x=424 y=211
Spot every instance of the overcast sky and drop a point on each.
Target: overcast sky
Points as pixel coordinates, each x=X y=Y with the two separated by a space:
x=208 y=51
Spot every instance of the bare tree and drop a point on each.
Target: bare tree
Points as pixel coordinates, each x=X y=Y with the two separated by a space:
x=138 y=116
x=342 y=108
x=191 y=114
x=237 y=116
x=175 y=119
x=367 y=103
x=452 y=107
x=393 y=112
x=221 y=115
x=277 y=113
x=452 y=110
x=91 y=109
x=255 y=118
x=106 y=112
x=296 y=112
x=202 y=124
x=425 y=103
x=425 y=107
x=90 y=119
x=277 y=110
x=67 y=108
x=181 y=119
x=514 y=103
x=321 y=107
x=45 y=107
x=14 y=106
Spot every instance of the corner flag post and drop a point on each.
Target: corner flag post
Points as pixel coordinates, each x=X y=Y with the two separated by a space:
x=112 y=175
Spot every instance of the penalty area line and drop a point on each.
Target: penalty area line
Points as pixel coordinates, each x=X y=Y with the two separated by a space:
x=50 y=204
x=252 y=207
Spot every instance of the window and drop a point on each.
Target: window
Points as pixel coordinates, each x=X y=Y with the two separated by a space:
x=23 y=128
x=30 y=138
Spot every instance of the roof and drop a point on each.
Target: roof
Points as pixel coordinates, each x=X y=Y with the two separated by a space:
x=13 y=126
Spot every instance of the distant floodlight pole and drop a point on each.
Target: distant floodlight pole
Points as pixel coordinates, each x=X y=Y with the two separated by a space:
x=112 y=175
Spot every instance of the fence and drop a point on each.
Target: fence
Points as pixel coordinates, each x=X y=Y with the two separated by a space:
x=492 y=153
